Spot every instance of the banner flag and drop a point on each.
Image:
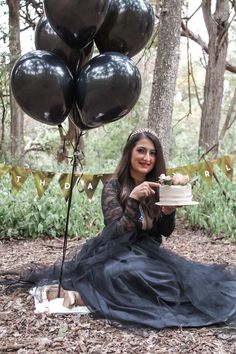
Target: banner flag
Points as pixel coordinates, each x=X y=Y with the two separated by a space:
x=4 y=169
x=226 y=164
x=206 y=170
x=189 y=170
x=42 y=181
x=18 y=177
x=105 y=177
x=65 y=180
x=193 y=169
x=89 y=183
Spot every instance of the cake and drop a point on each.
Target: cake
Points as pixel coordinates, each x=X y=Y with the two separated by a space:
x=176 y=195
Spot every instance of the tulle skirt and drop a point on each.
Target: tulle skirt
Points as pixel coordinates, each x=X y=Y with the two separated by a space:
x=131 y=279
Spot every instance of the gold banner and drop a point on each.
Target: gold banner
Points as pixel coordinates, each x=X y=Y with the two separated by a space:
x=106 y=177
x=189 y=170
x=3 y=169
x=226 y=164
x=65 y=181
x=42 y=181
x=18 y=177
x=90 y=182
x=206 y=170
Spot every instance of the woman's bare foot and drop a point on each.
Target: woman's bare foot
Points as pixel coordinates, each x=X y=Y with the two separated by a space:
x=71 y=298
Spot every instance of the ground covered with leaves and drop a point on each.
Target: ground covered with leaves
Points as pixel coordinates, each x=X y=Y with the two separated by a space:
x=22 y=331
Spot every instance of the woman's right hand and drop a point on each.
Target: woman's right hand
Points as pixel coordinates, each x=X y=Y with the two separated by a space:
x=144 y=190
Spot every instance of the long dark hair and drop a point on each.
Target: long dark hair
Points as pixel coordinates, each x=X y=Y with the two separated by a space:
x=124 y=167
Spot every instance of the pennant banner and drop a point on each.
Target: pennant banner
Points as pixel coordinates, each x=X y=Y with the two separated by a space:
x=226 y=164
x=65 y=181
x=3 y=169
x=189 y=170
x=89 y=182
x=18 y=177
x=42 y=181
x=206 y=171
x=106 y=177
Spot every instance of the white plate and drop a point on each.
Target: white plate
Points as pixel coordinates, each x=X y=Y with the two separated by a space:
x=176 y=204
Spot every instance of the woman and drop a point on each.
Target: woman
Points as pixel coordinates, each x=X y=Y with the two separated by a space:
x=124 y=274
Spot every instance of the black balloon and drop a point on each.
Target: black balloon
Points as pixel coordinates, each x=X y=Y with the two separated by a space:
x=47 y=39
x=76 y=22
x=127 y=27
x=107 y=89
x=43 y=86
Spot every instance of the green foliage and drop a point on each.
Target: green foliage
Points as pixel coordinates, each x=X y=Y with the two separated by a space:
x=216 y=212
x=103 y=146
x=25 y=215
x=49 y=139
x=62 y=330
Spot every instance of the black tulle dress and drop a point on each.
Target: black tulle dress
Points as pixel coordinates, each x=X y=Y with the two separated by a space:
x=125 y=275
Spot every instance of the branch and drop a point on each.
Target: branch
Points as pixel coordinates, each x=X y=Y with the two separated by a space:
x=30 y=12
x=14 y=347
x=195 y=86
x=42 y=149
x=197 y=39
x=231 y=123
x=34 y=146
x=208 y=151
x=181 y=119
x=3 y=122
x=228 y=120
x=194 y=13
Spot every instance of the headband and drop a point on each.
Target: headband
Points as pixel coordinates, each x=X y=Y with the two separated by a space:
x=143 y=131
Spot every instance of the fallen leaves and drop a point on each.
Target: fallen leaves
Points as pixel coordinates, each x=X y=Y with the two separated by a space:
x=24 y=332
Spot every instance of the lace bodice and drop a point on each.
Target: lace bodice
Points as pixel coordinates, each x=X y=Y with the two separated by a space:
x=128 y=219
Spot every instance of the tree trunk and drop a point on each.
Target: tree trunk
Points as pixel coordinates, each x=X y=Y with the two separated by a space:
x=165 y=72
x=17 y=130
x=217 y=27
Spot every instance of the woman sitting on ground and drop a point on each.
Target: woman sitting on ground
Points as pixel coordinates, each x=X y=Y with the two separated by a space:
x=125 y=274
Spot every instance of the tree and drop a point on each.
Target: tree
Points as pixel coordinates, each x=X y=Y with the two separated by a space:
x=4 y=101
x=217 y=27
x=17 y=134
x=216 y=16
x=165 y=72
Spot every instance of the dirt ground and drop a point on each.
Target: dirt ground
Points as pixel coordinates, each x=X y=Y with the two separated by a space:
x=22 y=331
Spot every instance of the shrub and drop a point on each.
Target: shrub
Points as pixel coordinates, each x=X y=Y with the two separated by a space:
x=216 y=212
x=25 y=215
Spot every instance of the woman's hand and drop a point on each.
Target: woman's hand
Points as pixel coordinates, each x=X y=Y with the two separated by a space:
x=144 y=189
x=167 y=210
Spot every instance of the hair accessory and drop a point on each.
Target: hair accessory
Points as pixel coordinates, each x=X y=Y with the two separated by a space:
x=143 y=130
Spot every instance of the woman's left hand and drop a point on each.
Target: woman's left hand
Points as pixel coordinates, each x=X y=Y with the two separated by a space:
x=167 y=210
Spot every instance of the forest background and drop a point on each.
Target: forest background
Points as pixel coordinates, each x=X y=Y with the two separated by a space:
x=188 y=97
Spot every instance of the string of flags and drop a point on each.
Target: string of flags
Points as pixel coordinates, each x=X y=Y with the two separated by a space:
x=89 y=182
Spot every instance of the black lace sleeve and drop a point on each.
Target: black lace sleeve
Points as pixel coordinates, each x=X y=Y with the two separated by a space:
x=166 y=224
x=127 y=219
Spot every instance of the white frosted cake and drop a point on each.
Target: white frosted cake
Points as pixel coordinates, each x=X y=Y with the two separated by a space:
x=176 y=195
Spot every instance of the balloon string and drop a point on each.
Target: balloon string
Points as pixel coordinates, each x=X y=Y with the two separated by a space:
x=75 y=162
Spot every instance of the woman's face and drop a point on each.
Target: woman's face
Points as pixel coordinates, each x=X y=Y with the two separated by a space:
x=143 y=159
